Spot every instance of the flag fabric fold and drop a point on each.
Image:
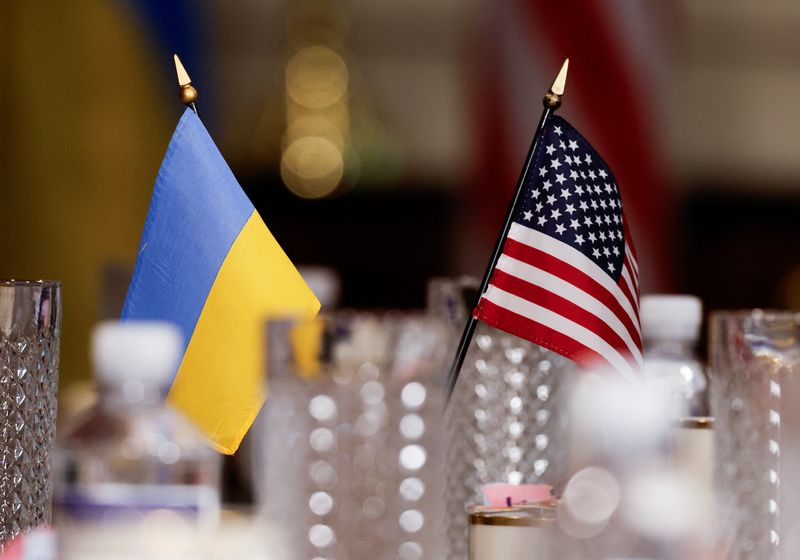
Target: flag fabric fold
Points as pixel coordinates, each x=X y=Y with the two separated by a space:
x=567 y=278
x=208 y=263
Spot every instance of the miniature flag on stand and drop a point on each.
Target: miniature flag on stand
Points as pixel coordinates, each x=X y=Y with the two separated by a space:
x=209 y=264
x=567 y=278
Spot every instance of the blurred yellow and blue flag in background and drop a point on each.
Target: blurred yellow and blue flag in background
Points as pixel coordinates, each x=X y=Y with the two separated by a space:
x=209 y=264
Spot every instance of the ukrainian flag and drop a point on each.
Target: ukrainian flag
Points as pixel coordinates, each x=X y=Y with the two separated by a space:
x=209 y=264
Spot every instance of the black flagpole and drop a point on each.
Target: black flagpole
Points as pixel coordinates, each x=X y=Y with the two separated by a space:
x=551 y=101
x=188 y=93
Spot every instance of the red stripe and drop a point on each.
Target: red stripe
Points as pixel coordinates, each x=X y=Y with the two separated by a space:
x=506 y=320
x=632 y=271
x=574 y=276
x=627 y=265
x=623 y=285
x=564 y=307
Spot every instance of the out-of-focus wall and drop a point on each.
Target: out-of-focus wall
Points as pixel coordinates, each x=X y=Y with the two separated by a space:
x=83 y=132
x=738 y=123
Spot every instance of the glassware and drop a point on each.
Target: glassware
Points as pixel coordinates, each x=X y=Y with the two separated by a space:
x=351 y=456
x=30 y=327
x=133 y=477
x=755 y=388
x=508 y=418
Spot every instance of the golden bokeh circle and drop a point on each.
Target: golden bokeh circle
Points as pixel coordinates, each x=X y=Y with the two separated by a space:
x=312 y=166
x=316 y=77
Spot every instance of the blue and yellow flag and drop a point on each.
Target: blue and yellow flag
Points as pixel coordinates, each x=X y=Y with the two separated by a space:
x=209 y=264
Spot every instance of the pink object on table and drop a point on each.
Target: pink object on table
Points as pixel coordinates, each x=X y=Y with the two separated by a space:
x=499 y=494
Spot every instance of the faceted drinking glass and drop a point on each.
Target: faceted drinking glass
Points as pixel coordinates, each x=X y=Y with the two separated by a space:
x=30 y=326
x=508 y=419
x=351 y=456
x=755 y=391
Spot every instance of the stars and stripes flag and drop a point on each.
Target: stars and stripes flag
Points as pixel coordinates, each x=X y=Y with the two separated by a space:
x=568 y=278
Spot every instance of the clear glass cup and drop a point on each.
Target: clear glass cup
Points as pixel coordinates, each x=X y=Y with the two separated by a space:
x=349 y=445
x=508 y=418
x=30 y=327
x=755 y=391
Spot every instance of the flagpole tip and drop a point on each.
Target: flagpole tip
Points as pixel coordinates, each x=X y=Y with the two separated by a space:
x=552 y=99
x=187 y=93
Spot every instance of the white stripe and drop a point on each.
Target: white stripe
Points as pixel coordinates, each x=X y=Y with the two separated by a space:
x=629 y=282
x=627 y=278
x=570 y=292
x=626 y=265
x=634 y=264
x=572 y=256
x=561 y=324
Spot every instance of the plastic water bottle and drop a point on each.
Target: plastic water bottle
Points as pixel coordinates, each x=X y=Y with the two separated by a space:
x=671 y=329
x=133 y=478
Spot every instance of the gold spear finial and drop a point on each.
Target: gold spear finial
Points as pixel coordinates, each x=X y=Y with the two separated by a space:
x=552 y=99
x=188 y=93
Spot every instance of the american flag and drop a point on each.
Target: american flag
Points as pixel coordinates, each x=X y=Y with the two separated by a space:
x=568 y=278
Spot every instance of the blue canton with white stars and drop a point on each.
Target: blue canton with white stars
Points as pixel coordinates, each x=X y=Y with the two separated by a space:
x=570 y=194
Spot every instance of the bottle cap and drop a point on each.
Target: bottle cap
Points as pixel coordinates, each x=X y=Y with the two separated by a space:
x=671 y=316
x=136 y=351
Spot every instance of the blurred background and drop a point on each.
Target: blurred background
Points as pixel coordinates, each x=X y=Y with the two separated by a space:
x=383 y=139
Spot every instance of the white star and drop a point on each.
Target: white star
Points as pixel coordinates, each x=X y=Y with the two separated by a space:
x=599 y=221
x=583 y=175
x=597 y=189
x=615 y=251
x=560 y=178
x=611 y=267
x=568 y=159
x=594 y=204
x=612 y=203
x=528 y=214
x=557 y=130
x=596 y=253
x=616 y=219
x=608 y=188
x=562 y=145
x=560 y=229
x=584 y=206
x=606 y=252
x=555 y=214
x=578 y=189
x=542 y=171
x=607 y=220
x=551 y=199
x=542 y=220
x=535 y=193
x=573 y=145
x=579 y=239
x=574 y=224
x=602 y=235
x=565 y=194
x=539 y=206
x=570 y=209
x=602 y=173
x=592 y=237
x=546 y=185
x=591 y=174
x=588 y=221
x=602 y=204
x=550 y=149
x=573 y=174
x=555 y=164
x=588 y=159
